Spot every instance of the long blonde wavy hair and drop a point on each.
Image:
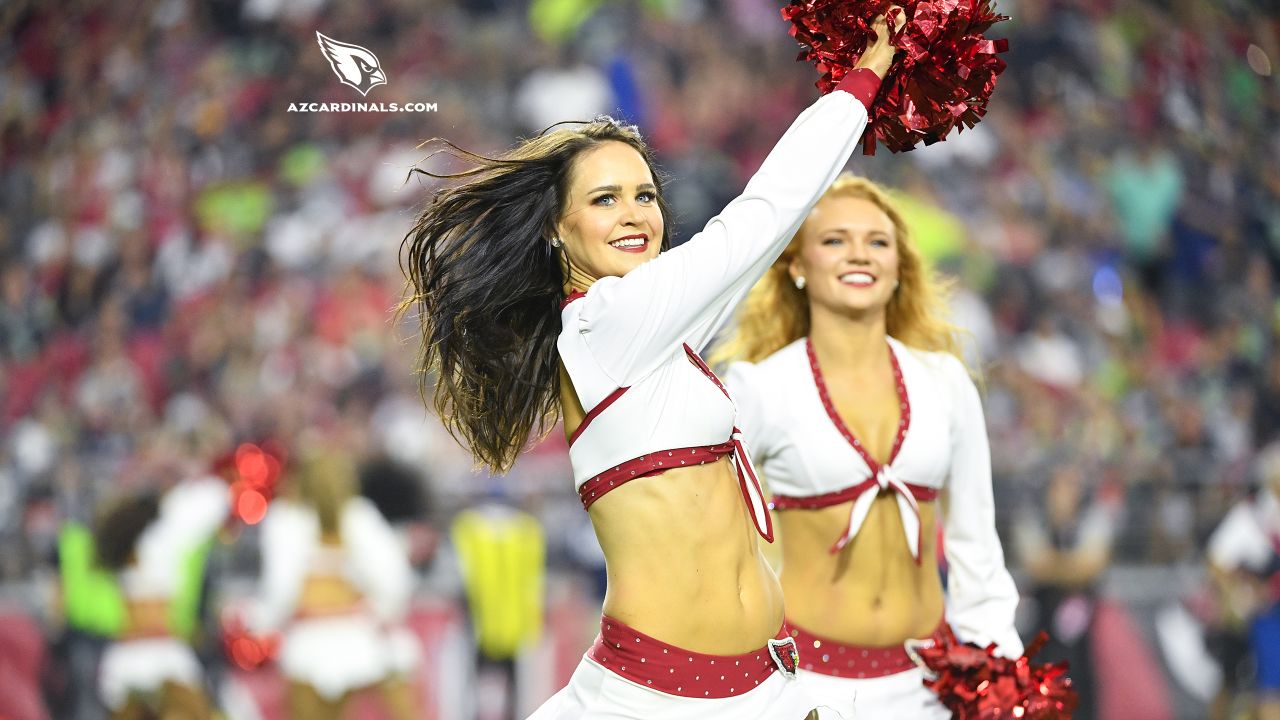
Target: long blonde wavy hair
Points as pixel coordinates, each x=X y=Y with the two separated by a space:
x=775 y=313
x=326 y=479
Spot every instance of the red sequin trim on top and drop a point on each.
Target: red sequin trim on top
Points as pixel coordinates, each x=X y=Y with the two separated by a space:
x=748 y=481
x=652 y=663
x=595 y=412
x=829 y=657
x=879 y=480
x=647 y=465
x=603 y=404
x=658 y=462
x=576 y=294
x=904 y=407
x=814 y=502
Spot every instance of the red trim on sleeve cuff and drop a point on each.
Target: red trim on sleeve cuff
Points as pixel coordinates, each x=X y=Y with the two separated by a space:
x=863 y=84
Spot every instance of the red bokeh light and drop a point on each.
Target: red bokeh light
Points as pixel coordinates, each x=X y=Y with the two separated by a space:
x=252 y=465
x=246 y=653
x=251 y=505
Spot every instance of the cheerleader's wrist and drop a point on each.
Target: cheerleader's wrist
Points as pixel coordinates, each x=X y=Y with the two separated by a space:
x=863 y=84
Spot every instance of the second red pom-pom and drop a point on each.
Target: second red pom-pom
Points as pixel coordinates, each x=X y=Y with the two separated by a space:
x=977 y=684
x=942 y=77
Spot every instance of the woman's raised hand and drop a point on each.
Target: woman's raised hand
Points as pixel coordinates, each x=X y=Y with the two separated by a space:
x=879 y=54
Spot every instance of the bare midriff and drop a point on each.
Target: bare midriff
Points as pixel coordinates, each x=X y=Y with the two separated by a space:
x=325 y=593
x=146 y=617
x=683 y=556
x=872 y=593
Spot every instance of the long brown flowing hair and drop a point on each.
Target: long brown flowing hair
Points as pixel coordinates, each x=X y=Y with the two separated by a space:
x=486 y=286
x=776 y=314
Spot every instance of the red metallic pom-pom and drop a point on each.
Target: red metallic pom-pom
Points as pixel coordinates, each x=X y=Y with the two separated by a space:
x=976 y=684
x=942 y=77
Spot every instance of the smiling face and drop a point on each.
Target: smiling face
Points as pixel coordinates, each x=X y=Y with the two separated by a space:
x=612 y=221
x=848 y=256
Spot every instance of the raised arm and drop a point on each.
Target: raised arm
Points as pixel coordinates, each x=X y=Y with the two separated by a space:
x=632 y=323
x=288 y=536
x=981 y=596
x=383 y=561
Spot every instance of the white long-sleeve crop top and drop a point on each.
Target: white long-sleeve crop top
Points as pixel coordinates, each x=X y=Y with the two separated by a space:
x=375 y=562
x=630 y=344
x=811 y=460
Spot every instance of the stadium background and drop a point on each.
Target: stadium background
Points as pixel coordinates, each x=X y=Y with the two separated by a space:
x=188 y=265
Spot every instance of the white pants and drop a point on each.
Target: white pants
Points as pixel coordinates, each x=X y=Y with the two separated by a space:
x=901 y=696
x=335 y=655
x=594 y=693
x=144 y=666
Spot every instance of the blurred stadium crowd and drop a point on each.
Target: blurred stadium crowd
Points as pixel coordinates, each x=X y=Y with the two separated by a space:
x=186 y=264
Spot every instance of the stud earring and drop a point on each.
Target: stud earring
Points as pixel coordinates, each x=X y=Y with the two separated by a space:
x=800 y=283
x=556 y=242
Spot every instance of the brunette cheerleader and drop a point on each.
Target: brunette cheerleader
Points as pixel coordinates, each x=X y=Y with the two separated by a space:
x=543 y=292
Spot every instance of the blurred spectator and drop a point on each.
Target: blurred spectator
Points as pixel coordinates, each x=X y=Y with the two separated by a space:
x=501 y=553
x=1064 y=544
x=1244 y=562
x=1145 y=188
x=185 y=264
x=563 y=90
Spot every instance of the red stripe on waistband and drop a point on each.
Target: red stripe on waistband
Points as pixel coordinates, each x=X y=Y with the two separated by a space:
x=829 y=657
x=654 y=664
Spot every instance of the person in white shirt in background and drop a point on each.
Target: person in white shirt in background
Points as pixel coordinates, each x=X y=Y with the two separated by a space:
x=860 y=414
x=1244 y=563
x=150 y=541
x=335 y=579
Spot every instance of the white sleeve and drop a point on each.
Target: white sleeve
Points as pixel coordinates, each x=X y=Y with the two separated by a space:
x=747 y=390
x=1238 y=542
x=196 y=509
x=289 y=536
x=1029 y=537
x=190 y=515
x=1097 y=528
x=981 y=596
x=633 y=323
x=381 y=560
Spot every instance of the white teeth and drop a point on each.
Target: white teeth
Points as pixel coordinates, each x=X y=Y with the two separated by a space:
x=628 y=243
x=857 y=278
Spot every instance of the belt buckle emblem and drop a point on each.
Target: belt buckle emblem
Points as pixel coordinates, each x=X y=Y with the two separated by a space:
x=785 y=655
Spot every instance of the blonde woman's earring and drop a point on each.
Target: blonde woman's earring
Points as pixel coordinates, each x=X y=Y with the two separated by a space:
x=800 y=283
